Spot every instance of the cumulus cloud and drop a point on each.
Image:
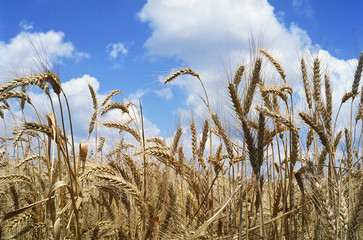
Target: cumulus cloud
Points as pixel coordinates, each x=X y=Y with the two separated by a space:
x=114 y=49
x=25 y=25
x=214 y=37
x=25 y=52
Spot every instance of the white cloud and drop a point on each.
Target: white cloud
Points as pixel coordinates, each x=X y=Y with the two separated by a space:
x=114 y=49
x=25 y=25
x=27 y=51
x=165 y=93
x=214 y=37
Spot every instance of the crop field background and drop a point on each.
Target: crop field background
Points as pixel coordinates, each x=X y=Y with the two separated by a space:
x=265 y=171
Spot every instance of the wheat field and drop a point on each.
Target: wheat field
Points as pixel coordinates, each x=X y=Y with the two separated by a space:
x=277 y=173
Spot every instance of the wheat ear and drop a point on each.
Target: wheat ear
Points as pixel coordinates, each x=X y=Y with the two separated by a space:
x=275 y=63
x=357 y=75
x=179 y=73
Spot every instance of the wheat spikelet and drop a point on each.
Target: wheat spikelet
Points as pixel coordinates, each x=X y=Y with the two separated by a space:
x=15 y=94
x=181 y=156
x=359 y=113
x=217 y=165
x=23 y=81
x=20 y=132
x=343 y=213
x=179 y=73
x=6 y=104
x=279 y=91
x=92 y=123
x=31 y=158
x=109 y=96
x=130 y=163
x=204 y=140
x=306 y=84
x=4 y=164
x=317 y=87
x=14 y=196
x=94 y=97
x=97 y=169
x=22 y=103
x=238 y=76
x=16 y=178
x=39 y=128
x=131 y=189
x=193 y=129
x=317 y=128
x=355 y=215
x=36 y=79
x=357 y=75
x=124 y=127
x=53 y=80
x=251 y=88
x=329 y=106
x=252 y=151
x=235 y=100
x=115 y=105
x=224 y=135
x=164 y=157
x=347 y=96
x=20 y=219
x=268 y=136
x=101 y=142
x=349 y=149
x=309 y=137
x=324 y=152
x=294 y=146
x=177 y=136
x=277 y=116
x=265 y=95
x=158 y=141
x=120 y=170
x=275 y=63
x=260 y=139
x=277 y=198
x=324 y=209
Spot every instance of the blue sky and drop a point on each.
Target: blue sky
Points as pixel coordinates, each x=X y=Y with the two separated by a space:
x=132 y=45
